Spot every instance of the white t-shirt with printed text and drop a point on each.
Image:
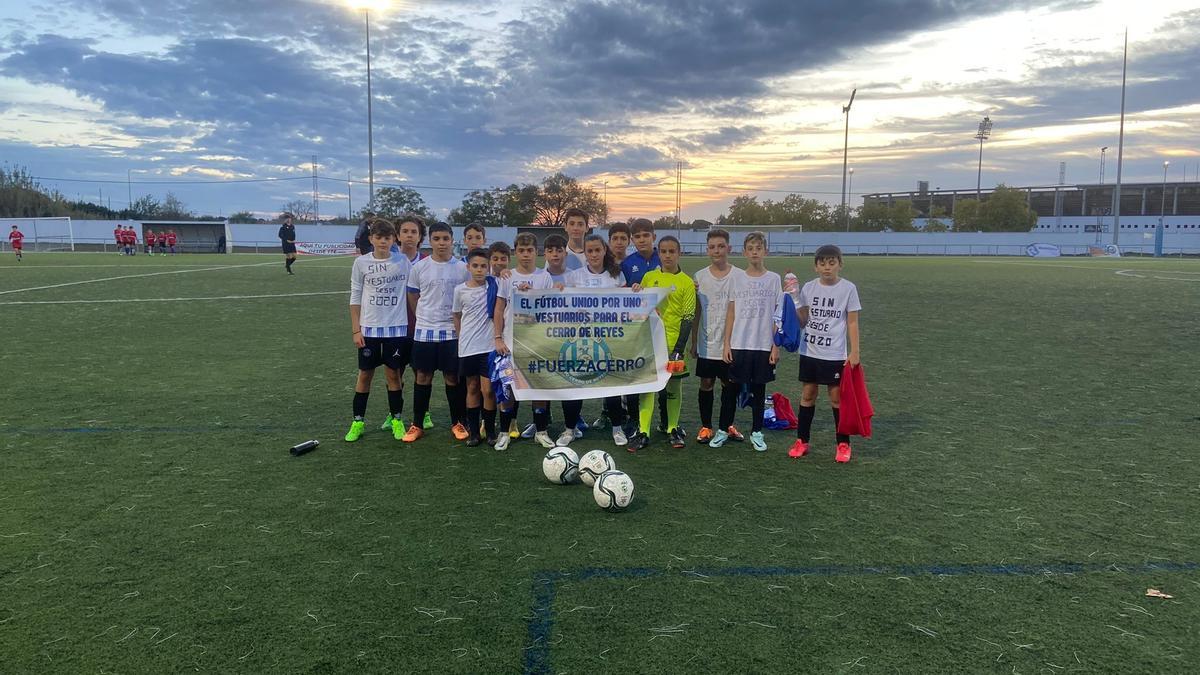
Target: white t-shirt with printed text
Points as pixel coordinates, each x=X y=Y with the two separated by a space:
x=539 y=279
x=476 y=330
x=756 y=305
x=435 y=281
x=713 y=305
x=828 y=307
x=380 y=288
x=585 y=278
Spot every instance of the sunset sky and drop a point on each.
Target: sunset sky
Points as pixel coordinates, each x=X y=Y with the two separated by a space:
x=472 y=94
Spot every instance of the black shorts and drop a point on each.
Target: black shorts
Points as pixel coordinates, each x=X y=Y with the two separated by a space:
x=430 y=356
x=474 y=365
x=712 y=369
x=390 y=352
x=820 y=371
x=751 y=366
x=289 y=248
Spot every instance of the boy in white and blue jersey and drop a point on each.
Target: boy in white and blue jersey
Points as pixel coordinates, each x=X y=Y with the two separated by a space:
x=379 y=323
x=554 y=250
x=576 y=227
x=524 y=277
x=714 y=288
x=435 y=341
x=473 y=306
x=410 y=233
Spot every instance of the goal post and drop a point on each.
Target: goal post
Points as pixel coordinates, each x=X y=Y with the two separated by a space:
x=41 y=234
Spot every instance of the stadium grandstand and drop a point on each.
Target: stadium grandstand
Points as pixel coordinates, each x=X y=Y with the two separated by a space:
x=1137 y=199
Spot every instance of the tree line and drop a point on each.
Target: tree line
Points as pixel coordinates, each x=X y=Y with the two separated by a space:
x=22 y=196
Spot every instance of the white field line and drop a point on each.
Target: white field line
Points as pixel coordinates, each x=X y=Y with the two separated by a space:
x=218 y=297
x=132 y=276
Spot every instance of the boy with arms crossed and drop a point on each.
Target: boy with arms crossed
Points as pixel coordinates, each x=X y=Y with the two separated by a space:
x=713 y=284
x=435 y=341
x=379 y=323
x=525 y=277
x=828 y=308
x=473 y=307
x=677 y=312
x=750 y=324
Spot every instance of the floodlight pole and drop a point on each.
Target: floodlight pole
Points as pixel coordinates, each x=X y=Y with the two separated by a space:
x=1162 y=214
x=985 y=130
x=1116 y=208
x=849 y=193
x=370 y=131
x=1102 y=151
x=846 y=150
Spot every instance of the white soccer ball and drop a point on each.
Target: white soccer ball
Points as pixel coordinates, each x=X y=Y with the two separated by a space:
x=593 y=464
x=561 y=466
x=613 y=490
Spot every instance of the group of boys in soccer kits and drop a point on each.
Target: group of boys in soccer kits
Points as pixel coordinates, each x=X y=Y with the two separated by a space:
x=127 y=241
x=444 y=313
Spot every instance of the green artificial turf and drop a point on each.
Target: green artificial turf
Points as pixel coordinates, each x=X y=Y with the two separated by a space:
x=1033 y=472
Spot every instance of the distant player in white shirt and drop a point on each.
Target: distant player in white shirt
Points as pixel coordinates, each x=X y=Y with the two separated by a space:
x=473 y=306
x=526 y=277
x=828 y=307
x=435 y=341
x=714 y=286
x=379 y=323
x=750 y=325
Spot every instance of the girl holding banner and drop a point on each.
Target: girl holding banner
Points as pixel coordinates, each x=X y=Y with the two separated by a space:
x=601 y=271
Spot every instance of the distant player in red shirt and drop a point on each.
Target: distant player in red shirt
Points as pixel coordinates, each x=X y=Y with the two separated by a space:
x=133 y=239
x=119 y=237
x=171 y=240
x=15 y=238
x=151 y=238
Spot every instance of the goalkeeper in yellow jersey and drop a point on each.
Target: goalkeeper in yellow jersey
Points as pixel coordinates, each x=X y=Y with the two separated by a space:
x=677 y=312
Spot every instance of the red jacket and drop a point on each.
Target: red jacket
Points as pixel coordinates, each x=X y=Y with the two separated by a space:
x=856 y=411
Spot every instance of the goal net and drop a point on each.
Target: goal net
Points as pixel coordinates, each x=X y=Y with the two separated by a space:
x=41 y=234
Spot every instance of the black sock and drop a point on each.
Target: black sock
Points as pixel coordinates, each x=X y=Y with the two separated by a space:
x=541 y=418
x=804 y=418
x=489 y=423
x=473 y=421
x=287 y=262
x=633 y=406
x=729 y=394
x=421 y=395
x=706 y=405
x=506 y=418
x=396 y=402
x=759 y=392
x=571 y=412
x=662 y=408
x=841 y=438
x=455 y=402
x=615 y=407
x=360 y=404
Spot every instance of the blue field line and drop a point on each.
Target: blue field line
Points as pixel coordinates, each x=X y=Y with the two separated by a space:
x=541 y=622
x=138 y=430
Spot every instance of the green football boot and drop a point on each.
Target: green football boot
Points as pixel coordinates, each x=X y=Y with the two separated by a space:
x=428 y=423
x=398 y=428
x=357 y=427
x=387 y=423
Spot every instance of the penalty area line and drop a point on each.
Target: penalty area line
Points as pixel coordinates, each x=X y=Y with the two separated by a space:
x=215 y=297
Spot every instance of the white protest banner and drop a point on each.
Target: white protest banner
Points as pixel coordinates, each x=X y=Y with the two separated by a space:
x=581 y=343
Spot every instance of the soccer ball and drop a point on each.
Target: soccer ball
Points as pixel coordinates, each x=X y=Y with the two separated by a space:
x=561 y=466
x=593 y=464
x=613 y=490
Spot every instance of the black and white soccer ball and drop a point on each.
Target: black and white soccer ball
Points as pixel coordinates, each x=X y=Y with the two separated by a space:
x=561 y=466
x=593 y=464
x=613 y=490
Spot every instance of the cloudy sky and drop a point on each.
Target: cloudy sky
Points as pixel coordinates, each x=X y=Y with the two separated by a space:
x=471 y=94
